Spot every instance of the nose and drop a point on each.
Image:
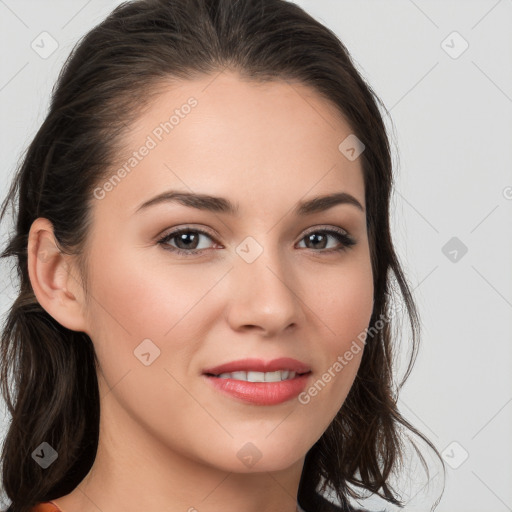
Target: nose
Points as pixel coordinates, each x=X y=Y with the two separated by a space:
x=264 y=295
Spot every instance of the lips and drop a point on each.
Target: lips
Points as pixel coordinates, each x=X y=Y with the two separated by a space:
x=260 y=393
x=259 y=365
x=241 y=386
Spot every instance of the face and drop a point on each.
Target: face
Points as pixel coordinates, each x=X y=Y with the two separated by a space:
x=181 y=286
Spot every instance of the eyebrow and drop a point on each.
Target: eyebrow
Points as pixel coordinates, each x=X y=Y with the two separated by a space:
x=222 y=205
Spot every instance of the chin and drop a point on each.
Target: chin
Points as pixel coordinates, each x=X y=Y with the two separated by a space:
x=255 y=455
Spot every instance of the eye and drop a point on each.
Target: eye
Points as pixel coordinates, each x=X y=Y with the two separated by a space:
x=187 y=240
x=318 y=239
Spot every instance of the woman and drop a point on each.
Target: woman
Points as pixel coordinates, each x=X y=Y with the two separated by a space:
x=203 y=243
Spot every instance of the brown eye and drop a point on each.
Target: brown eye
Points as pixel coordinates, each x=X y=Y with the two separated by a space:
x=186 y=241
x=320 y=238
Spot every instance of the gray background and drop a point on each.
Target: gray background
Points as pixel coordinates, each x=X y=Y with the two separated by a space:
x=452 y=141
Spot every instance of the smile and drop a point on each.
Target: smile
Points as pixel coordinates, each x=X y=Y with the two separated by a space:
x=259 y=376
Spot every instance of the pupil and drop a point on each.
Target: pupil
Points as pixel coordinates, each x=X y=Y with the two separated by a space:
x=183 y=237
x=315 y=235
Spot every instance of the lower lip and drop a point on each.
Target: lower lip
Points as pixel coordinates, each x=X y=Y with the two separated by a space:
x=261 y=393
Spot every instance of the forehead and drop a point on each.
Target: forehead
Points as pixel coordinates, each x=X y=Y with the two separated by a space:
x=256 y=142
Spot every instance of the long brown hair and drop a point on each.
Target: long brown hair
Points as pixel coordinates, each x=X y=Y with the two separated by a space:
x=110 y=76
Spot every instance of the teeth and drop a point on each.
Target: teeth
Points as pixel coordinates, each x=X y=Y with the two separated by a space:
x=276 y=376
x=259 y=376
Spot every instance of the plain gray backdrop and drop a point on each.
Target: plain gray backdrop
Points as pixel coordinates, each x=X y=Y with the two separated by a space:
x=444 y=71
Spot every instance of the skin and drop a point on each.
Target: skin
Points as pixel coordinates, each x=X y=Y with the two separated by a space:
x=168 y=441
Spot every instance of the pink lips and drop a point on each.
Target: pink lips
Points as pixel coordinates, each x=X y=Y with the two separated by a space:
x=260 y=393
x=258 y=365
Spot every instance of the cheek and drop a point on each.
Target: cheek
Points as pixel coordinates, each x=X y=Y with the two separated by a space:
x=342 y=297
x=136 y=300
x=150 y=299
x=343 y=304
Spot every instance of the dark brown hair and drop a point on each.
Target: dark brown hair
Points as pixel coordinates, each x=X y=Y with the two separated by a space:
x=110 y=77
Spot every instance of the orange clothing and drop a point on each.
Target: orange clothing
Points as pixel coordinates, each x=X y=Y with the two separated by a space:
x=47 y=506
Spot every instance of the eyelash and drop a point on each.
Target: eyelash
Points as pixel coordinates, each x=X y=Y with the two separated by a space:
x=342 y=236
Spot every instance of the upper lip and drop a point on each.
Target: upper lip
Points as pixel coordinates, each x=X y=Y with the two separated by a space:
x=259 y=365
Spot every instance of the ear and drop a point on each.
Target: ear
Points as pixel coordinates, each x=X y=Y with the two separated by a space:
x=56 y=288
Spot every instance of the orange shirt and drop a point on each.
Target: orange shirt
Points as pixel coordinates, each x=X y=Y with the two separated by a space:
x=47 y=506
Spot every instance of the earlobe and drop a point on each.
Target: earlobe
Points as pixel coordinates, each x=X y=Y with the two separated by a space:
x=57 y=290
